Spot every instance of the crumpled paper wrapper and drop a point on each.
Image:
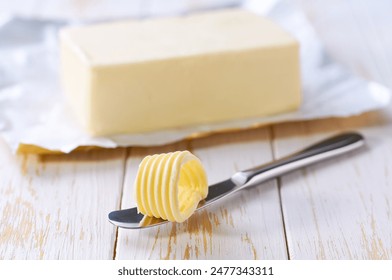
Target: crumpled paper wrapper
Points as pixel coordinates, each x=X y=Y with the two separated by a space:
x=34 y=116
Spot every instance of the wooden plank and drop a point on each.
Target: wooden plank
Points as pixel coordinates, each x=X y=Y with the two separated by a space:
x=246 y=226
x=341 y=208
x=55 y=207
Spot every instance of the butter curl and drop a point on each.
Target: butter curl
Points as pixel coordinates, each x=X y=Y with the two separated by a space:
x=170 y=186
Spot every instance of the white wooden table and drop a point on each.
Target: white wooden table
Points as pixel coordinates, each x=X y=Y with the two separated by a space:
x=56 y=206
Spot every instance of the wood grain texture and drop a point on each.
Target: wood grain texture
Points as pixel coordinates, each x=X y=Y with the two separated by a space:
x=341 y=208
x=247 y=225
x=55 y=207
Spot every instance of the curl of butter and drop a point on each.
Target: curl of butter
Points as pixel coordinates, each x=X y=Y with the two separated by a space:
x=170 y=186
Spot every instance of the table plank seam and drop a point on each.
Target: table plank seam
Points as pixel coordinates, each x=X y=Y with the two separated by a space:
x=126 y=154
x=279 y=184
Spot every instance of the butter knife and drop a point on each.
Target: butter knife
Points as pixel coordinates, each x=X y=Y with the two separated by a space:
x=331 y=147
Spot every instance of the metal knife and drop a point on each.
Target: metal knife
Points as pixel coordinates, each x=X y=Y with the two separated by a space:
x=331 y=147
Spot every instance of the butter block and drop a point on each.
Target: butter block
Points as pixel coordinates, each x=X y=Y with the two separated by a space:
x=150 y=75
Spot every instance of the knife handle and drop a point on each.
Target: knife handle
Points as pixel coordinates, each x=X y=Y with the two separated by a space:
x=328 y=148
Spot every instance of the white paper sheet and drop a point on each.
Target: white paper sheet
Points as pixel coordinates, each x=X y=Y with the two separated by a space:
x=32 y=109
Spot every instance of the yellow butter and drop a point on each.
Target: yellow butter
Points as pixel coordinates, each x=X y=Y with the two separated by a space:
x=170 y=186
x=149 y=75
